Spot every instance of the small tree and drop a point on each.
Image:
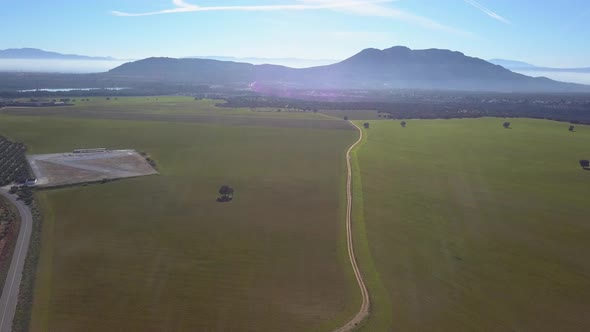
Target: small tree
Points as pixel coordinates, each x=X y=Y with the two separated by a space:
x=366 y=125
x=226 y=193
x=506 y=125
x=572 y=128
x=585 y=164
x=345 y=118
x=403 y=123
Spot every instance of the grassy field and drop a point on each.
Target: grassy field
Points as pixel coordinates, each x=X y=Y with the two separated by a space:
x=460 y=225
x=180 y=109
x=159 y=253
x=463 y=225
x=352 y=114
x=162 y=105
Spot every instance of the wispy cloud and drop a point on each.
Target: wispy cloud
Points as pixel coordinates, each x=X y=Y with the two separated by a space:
x=379 y=10
x=184 y=7
x=487 y=11
x=374 y=8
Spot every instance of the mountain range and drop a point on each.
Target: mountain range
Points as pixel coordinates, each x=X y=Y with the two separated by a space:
x=37 y=54
x=393 y=68
x=288 y=62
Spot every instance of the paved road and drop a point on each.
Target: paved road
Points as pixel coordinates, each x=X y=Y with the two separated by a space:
x=11 y=286
x=364 y=309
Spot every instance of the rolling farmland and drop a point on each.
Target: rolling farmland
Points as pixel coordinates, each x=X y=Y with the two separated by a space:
x=160 y=252
x=464 y=225
x=457 y=224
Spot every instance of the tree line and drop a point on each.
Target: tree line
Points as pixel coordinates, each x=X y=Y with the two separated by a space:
x=578 y=112
x=13 y=163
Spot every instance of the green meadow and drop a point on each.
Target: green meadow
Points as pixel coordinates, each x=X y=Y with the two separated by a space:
x=159 y=253
x=459 y=225
x=463 y=225
x=161 y=105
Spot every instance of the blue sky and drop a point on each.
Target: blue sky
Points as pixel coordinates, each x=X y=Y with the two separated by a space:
x=547 y=32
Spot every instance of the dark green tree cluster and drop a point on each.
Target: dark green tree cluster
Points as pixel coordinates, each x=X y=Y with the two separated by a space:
x=226 y=193
x=13 y=164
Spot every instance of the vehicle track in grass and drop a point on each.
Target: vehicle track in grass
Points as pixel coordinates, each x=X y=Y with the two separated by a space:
x=363 y=312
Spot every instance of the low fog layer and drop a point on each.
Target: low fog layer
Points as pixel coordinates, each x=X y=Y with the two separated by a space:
x=58 y=66
x=99 y=66
x=581 y=78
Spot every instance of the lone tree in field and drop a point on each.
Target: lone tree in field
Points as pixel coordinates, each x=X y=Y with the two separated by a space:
x=506 y=125
x=585 y=164
x=572 y=128
x=403 y=123
x=226 y=193
x=366 y=125
x=345 y=118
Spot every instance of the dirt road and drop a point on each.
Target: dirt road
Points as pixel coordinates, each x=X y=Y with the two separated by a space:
x=11 y=286
x=364 y=309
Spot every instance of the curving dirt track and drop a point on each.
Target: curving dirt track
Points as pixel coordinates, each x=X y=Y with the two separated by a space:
x=364 y=309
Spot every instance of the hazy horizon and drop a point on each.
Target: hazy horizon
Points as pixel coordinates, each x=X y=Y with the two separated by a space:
x=551 y=35
x=58 y=66
x=98 y=66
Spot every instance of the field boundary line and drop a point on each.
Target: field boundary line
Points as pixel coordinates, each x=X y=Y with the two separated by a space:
x=363 y=312
x=330 y=116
